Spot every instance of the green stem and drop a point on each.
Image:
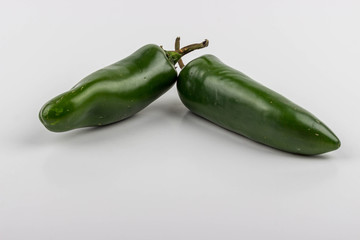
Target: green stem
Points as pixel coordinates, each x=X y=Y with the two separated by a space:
x=175 y=56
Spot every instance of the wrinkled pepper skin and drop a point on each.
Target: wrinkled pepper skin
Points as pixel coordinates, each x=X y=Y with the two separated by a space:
x=232 y=100
x=113 y=93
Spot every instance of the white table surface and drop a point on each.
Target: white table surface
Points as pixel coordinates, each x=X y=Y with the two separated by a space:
x=165 y=173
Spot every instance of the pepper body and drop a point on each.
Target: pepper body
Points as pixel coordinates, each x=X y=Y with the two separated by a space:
x=113 y=93
x=232 y=100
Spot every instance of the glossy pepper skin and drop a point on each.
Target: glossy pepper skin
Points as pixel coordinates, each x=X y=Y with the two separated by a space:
x=115 y=92
x=232 y=100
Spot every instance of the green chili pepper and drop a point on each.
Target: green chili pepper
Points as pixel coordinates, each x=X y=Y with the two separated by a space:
x=232 y=100
x=115 y=92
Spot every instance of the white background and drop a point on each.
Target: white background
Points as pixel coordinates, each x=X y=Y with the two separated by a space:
x=165 y=173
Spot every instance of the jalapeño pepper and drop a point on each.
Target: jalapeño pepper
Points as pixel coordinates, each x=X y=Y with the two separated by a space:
x=234 y=101
x=115 y=92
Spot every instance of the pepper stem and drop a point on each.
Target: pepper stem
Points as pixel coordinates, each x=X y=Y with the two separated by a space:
x=175 y=56
x=177 y=48
x=192 y=47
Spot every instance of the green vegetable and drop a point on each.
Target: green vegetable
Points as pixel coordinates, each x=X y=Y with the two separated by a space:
x=115 y=92
x=232 y=100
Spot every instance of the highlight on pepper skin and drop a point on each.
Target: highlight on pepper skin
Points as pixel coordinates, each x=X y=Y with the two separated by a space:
x=55 y=117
